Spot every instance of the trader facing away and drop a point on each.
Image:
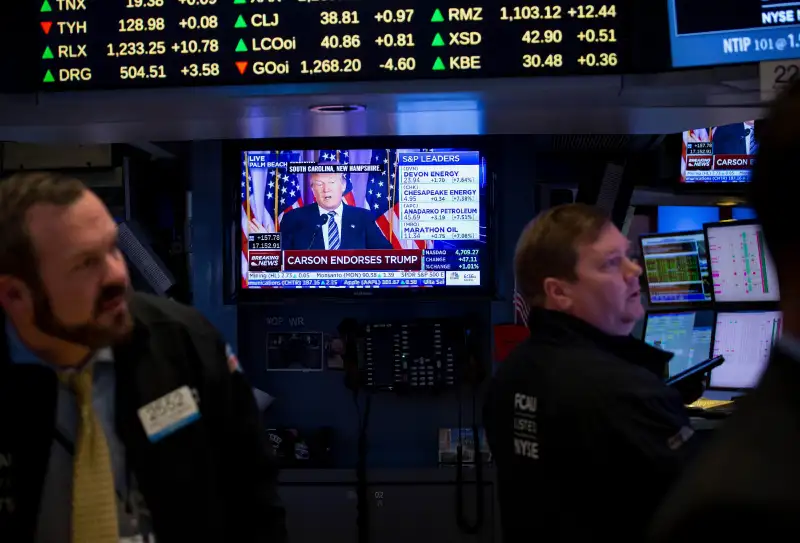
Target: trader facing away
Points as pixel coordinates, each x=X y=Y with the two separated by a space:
x=330 y=223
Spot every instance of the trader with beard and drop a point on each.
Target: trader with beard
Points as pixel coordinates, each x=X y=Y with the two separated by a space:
x=123 y=417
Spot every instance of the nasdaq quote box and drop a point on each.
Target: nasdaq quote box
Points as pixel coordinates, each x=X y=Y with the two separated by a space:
x=130 y=43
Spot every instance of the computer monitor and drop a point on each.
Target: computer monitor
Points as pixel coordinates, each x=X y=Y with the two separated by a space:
x=741 y=267
x=676 y=268
x=745 y=339
x=686 y=334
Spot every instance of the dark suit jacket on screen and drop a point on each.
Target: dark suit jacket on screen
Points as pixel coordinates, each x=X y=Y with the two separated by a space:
x=359 y=230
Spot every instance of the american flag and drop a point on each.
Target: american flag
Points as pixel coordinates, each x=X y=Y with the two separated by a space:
x=340 y=156
x=283 y=186
x=247 y=216
x=521 y=308
x=383 y=189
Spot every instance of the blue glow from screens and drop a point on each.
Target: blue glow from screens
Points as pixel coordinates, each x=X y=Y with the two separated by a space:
x=743 y=213
x=364 y=218
x=686 y=334
x=719 y=154
x=684 y=218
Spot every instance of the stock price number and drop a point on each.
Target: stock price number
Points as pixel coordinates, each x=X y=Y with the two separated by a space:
x=395 y=40
x=191 y=47
x=466 y=252
x=136 y=48
x=350 y=41
x=142 y=72
x=133 y=4
x=403 y=64
x=339 y=18
x=593 y=12
x=603 y=35
x=191 y=3
x=466 y=259
x=206 y=69
x=530 y=13
x=539 y=36
x=204 y=22
x=140 y=24
x=599 y=60
x=395 y=16
x=542 y=61
x=330 y=66
x=468 y=266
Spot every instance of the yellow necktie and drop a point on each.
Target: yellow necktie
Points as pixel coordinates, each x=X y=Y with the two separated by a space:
x=94 y=500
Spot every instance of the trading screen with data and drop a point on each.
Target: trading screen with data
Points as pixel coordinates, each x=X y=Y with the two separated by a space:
x=125 y=43
x=686 y=334
x=723 y=32
x=745 y=339
x=741 y=267
x=676 y=268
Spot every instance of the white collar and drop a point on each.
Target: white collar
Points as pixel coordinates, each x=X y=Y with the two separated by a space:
x=338 y=210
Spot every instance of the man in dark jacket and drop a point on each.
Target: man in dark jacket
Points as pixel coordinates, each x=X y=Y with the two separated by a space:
x=122 y=417
x=586 y=436
x=746 y=484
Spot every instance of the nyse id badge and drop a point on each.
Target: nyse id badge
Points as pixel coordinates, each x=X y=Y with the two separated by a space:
x=169 y=414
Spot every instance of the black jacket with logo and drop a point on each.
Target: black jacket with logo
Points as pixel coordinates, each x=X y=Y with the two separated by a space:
x=212 y=480
x=586 y=436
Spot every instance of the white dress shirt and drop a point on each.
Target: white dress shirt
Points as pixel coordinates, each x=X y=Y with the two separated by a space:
x=337 y=218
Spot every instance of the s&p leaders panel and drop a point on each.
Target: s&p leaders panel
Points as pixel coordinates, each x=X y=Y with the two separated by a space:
x=718 y=32
x=127 y=43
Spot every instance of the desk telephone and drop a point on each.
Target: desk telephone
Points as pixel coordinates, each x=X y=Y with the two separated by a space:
x=419 y=355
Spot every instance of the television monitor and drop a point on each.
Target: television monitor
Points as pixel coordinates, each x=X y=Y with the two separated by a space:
x=364 y=218
x=739 y=213
x=676 y=268
x=719 y=154
x=686 y=334
x=741 y=267
x=745 y=339
x=683 y=218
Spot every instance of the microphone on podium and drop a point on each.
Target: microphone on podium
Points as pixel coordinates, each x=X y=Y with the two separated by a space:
x=323 y=220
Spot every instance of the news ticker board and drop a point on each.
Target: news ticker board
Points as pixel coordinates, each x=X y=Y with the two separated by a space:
x=720 y=32
x=137 y=43
x=703 y=166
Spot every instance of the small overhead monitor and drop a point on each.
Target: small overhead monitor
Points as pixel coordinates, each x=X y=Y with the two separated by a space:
x=741 y=267
x=719 y=154
x=745 y=339
x=676 y=268
x=686 y=334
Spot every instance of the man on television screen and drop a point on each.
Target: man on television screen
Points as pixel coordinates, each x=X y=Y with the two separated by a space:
x=734 y=139
x=329 y=223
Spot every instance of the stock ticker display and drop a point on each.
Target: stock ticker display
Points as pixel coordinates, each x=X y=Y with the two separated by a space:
x=125 y=43
x=721 y=32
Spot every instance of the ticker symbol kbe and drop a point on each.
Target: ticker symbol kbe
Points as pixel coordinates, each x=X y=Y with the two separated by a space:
x=46 y=7
x=438 y=65
x=437 y=16
x=241 y=47
x=46 y=26
x=48 y=77
x=48 y=54
x=240 y=23
x=242 y=66
x=437 y=40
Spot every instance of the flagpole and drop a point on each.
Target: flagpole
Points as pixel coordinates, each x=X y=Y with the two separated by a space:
x=391 y=191
x=247 y=186
x=277 y=222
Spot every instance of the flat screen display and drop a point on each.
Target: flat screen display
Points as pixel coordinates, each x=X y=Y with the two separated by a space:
x=719 y=154
x=741 y=267
x=145 y=43
x=676 y=268
x=722 y=32
x=686 y=334
x=364 y=218
x=745 y=339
